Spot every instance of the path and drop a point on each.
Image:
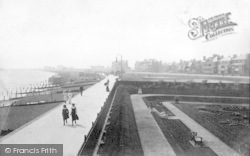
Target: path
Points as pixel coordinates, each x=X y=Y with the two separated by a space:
x=49 y=129
x=219 y=147
x=152 y=139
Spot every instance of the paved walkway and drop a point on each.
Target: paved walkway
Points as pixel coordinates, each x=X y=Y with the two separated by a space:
x=219 y=147
x=152 y=139
x=49 y=129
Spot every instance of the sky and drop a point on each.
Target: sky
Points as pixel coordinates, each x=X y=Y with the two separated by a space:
x=83 y=33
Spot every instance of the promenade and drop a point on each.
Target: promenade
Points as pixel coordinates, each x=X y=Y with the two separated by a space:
x=49 y=128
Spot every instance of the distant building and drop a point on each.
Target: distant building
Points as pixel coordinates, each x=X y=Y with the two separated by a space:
x=240 y=65
x=224 y=66
x=198 y=67
x=149 y=65
x=210 y=65
x=118 y=65
x=141 y=66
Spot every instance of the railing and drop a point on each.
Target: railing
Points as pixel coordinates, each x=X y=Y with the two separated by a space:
x=104 y=126
x=91 y=139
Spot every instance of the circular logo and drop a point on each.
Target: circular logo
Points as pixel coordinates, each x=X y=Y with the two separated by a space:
x=7 y=150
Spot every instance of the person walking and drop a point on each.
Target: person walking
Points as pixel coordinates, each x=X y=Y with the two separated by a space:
x=81 y=90
x=107 y=85
x=65 y=96
x=74 y=114
x=70 y=95
x=107 y=88
x=65 y=114
x=108 y=82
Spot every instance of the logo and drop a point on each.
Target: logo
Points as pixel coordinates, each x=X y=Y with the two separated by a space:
x=31 y=149
x=7 y=150
x=210 y=28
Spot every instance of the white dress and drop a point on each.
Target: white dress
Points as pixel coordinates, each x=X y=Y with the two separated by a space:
x=65 y=96
x=70 y=97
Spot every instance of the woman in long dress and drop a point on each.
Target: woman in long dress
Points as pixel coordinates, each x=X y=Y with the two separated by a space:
x=70 y=95
x=65 y=96
x=65 y=114
x=74 y=114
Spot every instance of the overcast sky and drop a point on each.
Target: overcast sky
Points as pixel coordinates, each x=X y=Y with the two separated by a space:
x=81 y=33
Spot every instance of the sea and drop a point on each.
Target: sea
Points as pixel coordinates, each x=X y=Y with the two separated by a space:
x=12 y=80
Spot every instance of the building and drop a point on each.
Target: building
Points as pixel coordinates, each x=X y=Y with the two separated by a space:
x=141 y=66
x=118 y=65
x=240 y=65
x=149 y=65
x=198 y=67
x=224 y=66
x=210 y=65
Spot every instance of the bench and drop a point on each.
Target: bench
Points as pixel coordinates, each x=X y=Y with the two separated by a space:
x=196 y=139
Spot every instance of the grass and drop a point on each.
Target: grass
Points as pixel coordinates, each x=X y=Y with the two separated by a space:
x=20 y=115
x=237 y=137
x=178 y=134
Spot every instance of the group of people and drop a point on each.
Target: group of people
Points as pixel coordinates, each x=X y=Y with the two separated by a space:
x=67 y=96
x=65 y=114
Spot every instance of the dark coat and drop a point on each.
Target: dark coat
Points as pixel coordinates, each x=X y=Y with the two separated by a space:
x=73 y=113
x=65 y=113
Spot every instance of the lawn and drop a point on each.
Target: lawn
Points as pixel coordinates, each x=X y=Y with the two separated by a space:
x=228 y=123
x=177 y=134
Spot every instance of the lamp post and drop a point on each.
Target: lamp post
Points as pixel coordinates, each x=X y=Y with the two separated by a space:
x=121 y=62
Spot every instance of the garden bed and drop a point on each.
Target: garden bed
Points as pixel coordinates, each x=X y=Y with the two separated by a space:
x=121 y=136
x=178 y=135
x=222 y=124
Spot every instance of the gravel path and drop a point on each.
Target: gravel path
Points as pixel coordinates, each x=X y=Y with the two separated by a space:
x=152 y=139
